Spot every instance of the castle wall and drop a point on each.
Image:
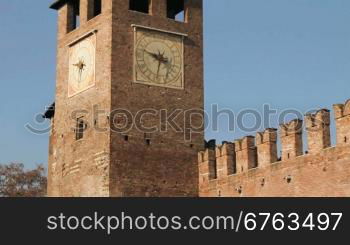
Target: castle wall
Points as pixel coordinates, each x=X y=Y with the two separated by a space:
x=323 y=172
x=140 y=163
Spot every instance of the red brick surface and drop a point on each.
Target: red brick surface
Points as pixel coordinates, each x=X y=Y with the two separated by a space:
x=323 y=172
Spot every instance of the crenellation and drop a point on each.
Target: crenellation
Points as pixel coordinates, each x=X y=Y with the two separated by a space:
x=291 y=139
x=225 y=160
x=342 y=122
x=266 y=143
x=338 y=111
x=260 y=173
x=347 y=108
x=290 y=128
x=246 y=153
x=318 y=131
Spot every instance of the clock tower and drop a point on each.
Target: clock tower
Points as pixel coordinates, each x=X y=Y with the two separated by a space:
x=128 y=114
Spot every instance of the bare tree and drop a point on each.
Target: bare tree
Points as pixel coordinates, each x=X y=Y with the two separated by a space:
x=15 y=181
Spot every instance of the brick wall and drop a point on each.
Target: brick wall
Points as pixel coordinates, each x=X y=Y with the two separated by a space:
x=323 y=172
x=73 y=170
x=167 y=166
x=105 y=163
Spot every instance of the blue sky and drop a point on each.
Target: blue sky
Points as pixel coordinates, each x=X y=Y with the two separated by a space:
x=285 y=53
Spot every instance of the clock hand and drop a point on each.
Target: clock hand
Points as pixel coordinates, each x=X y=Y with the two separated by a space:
x=168 y=66
x=155 y=56
x=80 y=65
x=164 y=60
x=160 y=56
x=159 y=63
x=80 y=72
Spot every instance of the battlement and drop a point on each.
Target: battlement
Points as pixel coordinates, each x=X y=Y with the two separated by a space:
x=251 y=153
x=266 y=142
x=245 y=154
x=342 y=118
x=318 y=130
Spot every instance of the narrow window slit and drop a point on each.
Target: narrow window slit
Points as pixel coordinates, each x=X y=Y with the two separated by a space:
x=80 y=128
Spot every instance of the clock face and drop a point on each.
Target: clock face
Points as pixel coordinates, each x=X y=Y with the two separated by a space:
x=81 y=66
x=158 y=58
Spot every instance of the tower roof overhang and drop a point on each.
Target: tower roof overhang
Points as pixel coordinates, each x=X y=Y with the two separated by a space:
x=58 y=4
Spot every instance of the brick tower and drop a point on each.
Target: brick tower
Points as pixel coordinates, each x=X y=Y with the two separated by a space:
x=127 y=118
